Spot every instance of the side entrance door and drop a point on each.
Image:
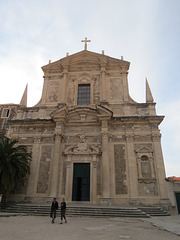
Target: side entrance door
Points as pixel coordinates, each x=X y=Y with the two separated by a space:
x=178 y=201
x=81 y=182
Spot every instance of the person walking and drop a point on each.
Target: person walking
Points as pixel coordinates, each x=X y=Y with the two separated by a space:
x=63 y=211
x=54 y=208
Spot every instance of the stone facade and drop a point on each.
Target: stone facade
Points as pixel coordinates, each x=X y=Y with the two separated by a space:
x=118 y=137
x=173 y=186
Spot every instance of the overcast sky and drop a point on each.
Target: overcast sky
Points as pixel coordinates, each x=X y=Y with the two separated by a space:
x=145 y=32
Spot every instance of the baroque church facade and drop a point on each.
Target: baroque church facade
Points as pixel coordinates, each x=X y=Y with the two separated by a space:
x=90 y=141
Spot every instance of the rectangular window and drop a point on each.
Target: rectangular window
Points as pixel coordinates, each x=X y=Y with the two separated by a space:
x=5 y=113
x=83 y=94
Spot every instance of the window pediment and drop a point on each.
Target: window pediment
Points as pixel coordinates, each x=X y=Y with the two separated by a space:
x=144 y=150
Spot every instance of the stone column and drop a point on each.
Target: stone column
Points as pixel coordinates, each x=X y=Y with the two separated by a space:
x=160 y=165
x=133 y=177
x=105 y=164
x=34 y=168
x=69 y=173
x=94 y=180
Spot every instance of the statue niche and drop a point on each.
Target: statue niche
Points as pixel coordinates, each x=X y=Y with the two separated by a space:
x=145 y=167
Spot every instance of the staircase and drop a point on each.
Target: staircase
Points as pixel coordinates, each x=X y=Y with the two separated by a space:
x=93 y=211
x=99 y=211
x=154 y=211
x=84 y=210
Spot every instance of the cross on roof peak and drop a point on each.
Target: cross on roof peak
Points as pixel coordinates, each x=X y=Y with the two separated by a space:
x=85 y=41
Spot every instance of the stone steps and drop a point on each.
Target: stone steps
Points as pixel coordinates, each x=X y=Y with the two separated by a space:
x=92 y=211
x=155 y=211
x=74 y=211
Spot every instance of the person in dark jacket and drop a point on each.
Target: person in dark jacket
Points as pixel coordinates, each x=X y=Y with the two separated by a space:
x=63 y=211
x=54 y=208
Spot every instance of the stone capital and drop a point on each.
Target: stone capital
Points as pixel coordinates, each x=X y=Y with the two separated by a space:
x=94 y=162
x=37 y=139
x=68 y=163
x=65 y=72
x=156 y=137
x=104 y=124
x=104 y=135
x=57 y=136
x=130 y=137
x=103 y=70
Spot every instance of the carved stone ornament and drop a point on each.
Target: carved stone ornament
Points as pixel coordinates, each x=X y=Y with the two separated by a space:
x=57 y=136
x=68 y=163
x=147 y=181
x=64 y=138
x=82 y=148
x=94 y=163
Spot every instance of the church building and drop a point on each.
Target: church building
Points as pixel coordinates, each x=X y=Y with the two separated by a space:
x=90 y=141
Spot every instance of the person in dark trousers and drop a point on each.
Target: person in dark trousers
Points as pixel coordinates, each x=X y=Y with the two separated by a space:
x=54 y=208
x=63 y=211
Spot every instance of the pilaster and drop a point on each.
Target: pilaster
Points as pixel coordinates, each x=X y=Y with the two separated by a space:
x=152 y=167
x=55 y=163
x=133 y=183
x=103 y=86
x=65 y=83
x=69 y=173
x=160 y=165
x=45 y=88
x=125 y=86
x=94 y=180
x=105 y=161
x=34 y=167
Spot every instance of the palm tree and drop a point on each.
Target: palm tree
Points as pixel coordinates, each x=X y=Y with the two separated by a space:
x=14 y=164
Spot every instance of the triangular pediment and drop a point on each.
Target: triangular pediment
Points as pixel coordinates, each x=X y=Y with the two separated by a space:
x=60 y=113
x=144 y=150
x=86 y=58
x=104 y=112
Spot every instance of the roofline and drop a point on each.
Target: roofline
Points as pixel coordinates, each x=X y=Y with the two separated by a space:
x=84 y=51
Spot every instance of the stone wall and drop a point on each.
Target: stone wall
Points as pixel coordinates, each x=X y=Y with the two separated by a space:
x=120 y=169
x=46 y=155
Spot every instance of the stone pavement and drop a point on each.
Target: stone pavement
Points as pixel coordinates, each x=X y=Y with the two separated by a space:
x=23 y=227
x=168 y=223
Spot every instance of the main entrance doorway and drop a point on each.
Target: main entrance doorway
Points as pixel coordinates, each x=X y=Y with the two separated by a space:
x=81 y=182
